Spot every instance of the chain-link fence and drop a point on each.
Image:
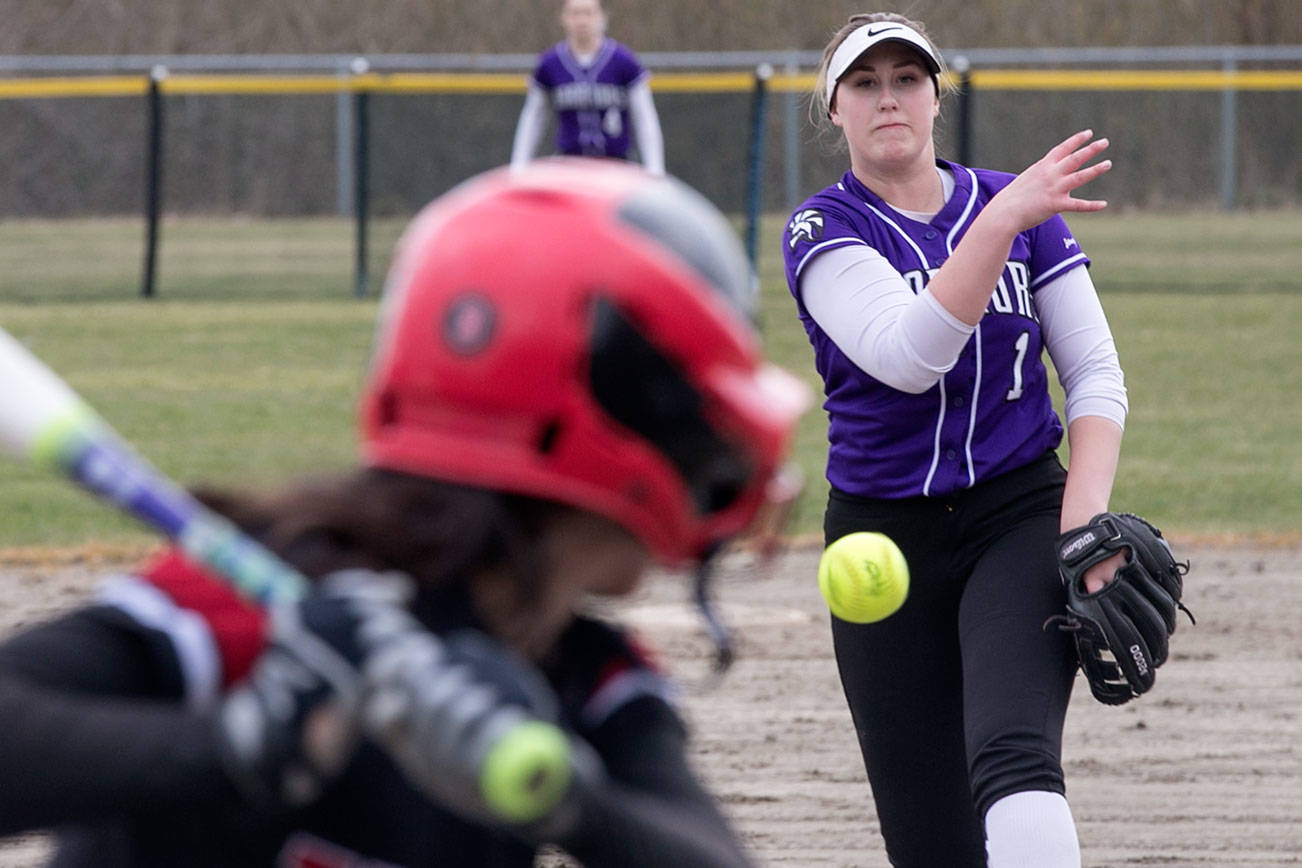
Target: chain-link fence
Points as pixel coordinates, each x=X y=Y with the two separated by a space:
x=290 y=150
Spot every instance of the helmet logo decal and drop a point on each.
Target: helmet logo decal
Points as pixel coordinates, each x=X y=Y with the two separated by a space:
x=469 y=324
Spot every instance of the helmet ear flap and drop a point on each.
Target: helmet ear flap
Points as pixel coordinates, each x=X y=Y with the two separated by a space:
x=645 y=392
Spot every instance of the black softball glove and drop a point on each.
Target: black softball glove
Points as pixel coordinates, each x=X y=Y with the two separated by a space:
x=1122 y=630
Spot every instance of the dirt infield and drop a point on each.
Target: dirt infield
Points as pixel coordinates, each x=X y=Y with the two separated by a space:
x=1205 y=771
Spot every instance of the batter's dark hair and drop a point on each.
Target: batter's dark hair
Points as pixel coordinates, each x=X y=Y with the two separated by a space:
x=436 y=532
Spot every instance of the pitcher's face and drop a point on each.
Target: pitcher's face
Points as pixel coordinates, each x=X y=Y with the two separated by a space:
x=886 y=106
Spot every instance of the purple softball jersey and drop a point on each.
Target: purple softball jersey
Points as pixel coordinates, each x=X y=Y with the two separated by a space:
x=591 y=102
x=992 y=412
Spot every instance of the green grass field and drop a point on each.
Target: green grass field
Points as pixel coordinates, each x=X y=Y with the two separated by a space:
x=246 y=367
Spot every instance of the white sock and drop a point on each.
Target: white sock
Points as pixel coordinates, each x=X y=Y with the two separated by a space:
x=1031 y=830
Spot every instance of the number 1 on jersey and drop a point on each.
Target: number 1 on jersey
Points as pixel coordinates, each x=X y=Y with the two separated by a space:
x=1023 y=341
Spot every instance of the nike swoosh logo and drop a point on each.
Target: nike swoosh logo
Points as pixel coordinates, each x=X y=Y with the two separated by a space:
x=872 y=32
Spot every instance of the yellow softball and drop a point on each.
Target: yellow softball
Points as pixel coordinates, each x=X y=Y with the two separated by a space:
x=863 y=577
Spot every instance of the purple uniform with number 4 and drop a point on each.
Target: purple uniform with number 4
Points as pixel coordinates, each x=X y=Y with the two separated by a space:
x=591 y=100
x=992 y=412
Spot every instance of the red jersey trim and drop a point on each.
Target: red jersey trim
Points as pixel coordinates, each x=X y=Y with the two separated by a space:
x=216 y=633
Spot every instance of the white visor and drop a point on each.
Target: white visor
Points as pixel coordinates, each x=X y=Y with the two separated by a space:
x=872 y=34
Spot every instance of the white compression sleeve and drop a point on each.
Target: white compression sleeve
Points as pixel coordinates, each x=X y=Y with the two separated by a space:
x=863 y=304
x=1078 y=339
x=1031 y=830
x=646 y=127
x=531 y=126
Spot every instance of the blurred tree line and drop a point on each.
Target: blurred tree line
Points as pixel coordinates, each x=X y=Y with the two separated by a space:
x=509 y=26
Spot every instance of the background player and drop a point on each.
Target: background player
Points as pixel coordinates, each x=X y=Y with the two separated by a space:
x=511 y=469
x=929 y=290
x=599 y=92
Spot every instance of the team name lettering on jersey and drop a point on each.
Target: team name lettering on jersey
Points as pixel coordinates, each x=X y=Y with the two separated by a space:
x=1016 y=299
x=587 y=95
x=917 y=278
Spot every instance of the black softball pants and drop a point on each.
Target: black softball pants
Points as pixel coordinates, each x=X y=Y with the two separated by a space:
x=959 y=698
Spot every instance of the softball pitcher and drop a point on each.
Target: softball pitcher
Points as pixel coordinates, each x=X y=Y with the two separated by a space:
x=929 y=291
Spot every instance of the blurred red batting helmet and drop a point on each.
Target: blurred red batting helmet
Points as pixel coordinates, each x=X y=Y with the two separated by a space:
x=580 y=331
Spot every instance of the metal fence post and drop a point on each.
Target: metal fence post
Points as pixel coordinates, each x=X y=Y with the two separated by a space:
x=361 y=176
x=755 y=187
x=962 y=68
x=791 y=127
x=153 y=178
x=1229 y=138
x=343 y=148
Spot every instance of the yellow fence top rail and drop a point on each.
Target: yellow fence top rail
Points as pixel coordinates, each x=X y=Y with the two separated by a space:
x=665 y=82
x=1132 y=79
x=20 y=88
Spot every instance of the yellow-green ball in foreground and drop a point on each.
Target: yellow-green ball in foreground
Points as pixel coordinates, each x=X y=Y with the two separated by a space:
x=863 y=577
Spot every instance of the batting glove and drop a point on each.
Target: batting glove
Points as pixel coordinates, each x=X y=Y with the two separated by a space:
x=292 y=725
